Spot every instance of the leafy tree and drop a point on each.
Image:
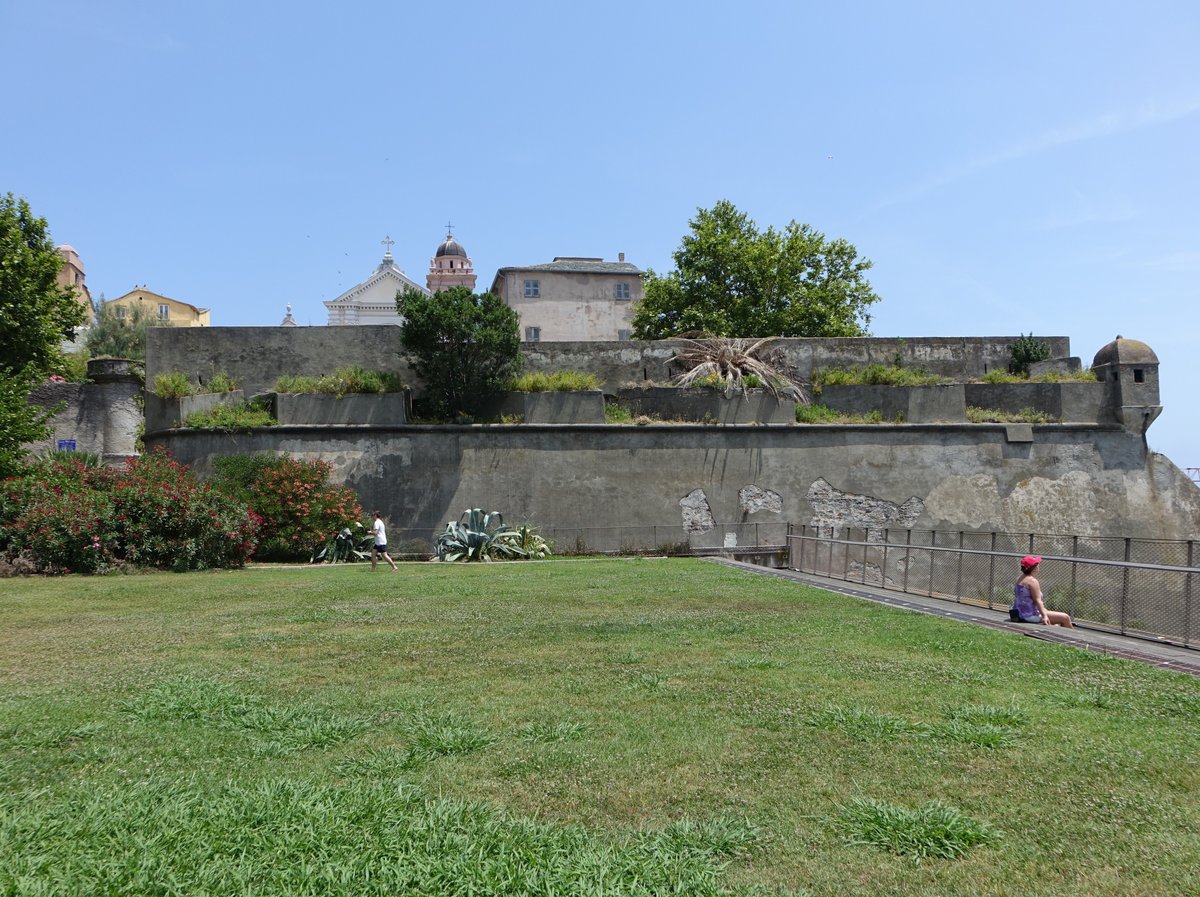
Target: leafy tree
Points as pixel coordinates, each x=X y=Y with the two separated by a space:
x=465 y=347
x=36 y=314
x=120 y=337
x=20 y=422
x=733 y=280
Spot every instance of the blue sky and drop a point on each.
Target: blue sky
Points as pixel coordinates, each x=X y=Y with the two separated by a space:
x=1009 y=168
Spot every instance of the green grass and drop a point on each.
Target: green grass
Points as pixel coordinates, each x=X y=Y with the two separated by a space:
x=876 y=375
x=641 y=726
x=823 y=414
x=978 y=415
x=341 y=382
x=231 y=418
x=555 y=381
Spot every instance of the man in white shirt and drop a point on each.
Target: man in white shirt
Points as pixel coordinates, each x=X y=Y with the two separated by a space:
x=380 y=547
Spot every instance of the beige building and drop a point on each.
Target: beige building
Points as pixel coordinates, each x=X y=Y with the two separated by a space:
x=167 y=310
x=572 y=298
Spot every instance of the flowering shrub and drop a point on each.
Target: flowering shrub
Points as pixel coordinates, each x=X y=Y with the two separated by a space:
x=298 y=506
x=153 y=512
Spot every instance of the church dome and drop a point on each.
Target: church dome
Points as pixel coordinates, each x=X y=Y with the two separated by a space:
x=1125 y=351
x=450 y=247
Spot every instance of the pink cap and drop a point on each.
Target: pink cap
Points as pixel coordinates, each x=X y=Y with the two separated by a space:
x=1030 y=561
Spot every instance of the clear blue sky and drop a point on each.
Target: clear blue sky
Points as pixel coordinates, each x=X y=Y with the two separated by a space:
x=1015 y=168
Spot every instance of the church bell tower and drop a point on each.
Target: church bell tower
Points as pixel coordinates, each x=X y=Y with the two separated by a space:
x=450 y=266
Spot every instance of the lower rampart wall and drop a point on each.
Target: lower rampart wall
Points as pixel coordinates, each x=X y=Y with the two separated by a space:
x=1076 y=479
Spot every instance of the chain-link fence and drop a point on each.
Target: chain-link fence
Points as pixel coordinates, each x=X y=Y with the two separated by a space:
x=647 y=539
x=1141 y=587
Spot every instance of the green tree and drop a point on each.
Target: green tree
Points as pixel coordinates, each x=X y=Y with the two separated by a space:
x=36 y=314
x=120 y=337
x=733 y=280
x=465 y=347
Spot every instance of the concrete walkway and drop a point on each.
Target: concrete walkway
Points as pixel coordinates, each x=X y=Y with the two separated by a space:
x=1157 y=653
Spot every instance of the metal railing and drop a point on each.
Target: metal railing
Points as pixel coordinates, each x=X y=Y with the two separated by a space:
x=664 y=538
x=1139 y=587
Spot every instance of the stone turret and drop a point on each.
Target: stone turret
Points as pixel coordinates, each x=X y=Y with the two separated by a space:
x=1129 y=369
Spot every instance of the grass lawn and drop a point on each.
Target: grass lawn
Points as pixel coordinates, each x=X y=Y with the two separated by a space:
x=609 y=727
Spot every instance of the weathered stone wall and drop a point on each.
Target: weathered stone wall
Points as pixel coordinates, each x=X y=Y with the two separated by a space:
x=256 y=356
x=101 y=418
x=1077 y=479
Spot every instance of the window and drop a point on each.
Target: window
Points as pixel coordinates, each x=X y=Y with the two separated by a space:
x=120 y=312
x=621 y=291
x=1139 y=376
x=164 y=311
x=624 y=335
x=533 y=334
x=533 y=289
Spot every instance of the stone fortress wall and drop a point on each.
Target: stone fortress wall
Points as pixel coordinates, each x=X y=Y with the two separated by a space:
x=1091 y=478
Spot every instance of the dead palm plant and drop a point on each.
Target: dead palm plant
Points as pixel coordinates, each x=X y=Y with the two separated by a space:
x=730 y=360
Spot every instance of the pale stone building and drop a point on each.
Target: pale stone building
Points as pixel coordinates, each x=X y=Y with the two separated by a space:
x=572 y=298
x=162 y=308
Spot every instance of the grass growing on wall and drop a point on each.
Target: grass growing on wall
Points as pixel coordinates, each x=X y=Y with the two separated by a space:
x=978 y=415
x=822 y=414
x=876 y=375
x=628 y=727
x=555 y=381
x=341 y=382
x=230 y=418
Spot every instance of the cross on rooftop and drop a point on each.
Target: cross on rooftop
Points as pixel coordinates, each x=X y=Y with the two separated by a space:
x=448 y=227
x=387 y=243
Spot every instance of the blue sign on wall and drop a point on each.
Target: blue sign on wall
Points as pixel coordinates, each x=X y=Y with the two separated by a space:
x=66 y=445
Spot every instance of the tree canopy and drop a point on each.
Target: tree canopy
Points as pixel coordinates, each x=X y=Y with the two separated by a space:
x=120 y=337
x=465 y=347
x=731 y=279
x=36 y=314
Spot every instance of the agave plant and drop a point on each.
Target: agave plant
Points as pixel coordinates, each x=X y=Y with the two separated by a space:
x=525 y=543
x=730 y=361
x=473 y=537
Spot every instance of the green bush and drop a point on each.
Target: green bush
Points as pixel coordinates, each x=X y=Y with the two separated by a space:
x=72 y=517
x=341 y=382
x=616 y=413
x=1024 y=352
x=298 y=506
x=173 y=385
x=222 y=382
x=556 y=381
x=1026 y=415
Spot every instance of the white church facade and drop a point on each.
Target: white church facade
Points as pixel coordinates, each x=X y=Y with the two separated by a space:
x=374 y=300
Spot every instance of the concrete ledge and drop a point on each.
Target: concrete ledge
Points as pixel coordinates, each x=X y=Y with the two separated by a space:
x=330 y=410
x=910 y=404
x=573 y=407
x=710 y=406
x=167 y=414
x=1074 y=401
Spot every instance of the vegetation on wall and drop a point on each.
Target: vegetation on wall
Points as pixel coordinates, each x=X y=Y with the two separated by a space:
x=343 y=381
x=731 y=279
x=737 y=364
x=464 y=346
x=555 y=381
x=876 y=375
x=1026 y=351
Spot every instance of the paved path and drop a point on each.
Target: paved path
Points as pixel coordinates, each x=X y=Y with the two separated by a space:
x=1157 y=653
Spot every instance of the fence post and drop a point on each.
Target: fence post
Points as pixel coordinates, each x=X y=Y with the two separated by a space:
x=1074 y=570
x=887 y=538
x=1125 y=582
x=864 y=567
x=932 y=555
x=1187 y=596
x=992 y=572
x=958 y=577
x=846 y=558
x=907 y=558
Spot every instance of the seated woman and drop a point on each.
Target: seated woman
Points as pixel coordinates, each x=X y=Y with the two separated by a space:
x=1027 y=606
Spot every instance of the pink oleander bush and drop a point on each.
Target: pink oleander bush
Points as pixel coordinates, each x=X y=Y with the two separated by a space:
x=69 y=517
x=298 y=506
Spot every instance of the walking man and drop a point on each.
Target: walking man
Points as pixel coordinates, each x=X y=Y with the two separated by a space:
x=380 y=547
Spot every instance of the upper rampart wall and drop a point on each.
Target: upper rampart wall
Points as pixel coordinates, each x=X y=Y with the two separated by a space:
x=256 y=356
